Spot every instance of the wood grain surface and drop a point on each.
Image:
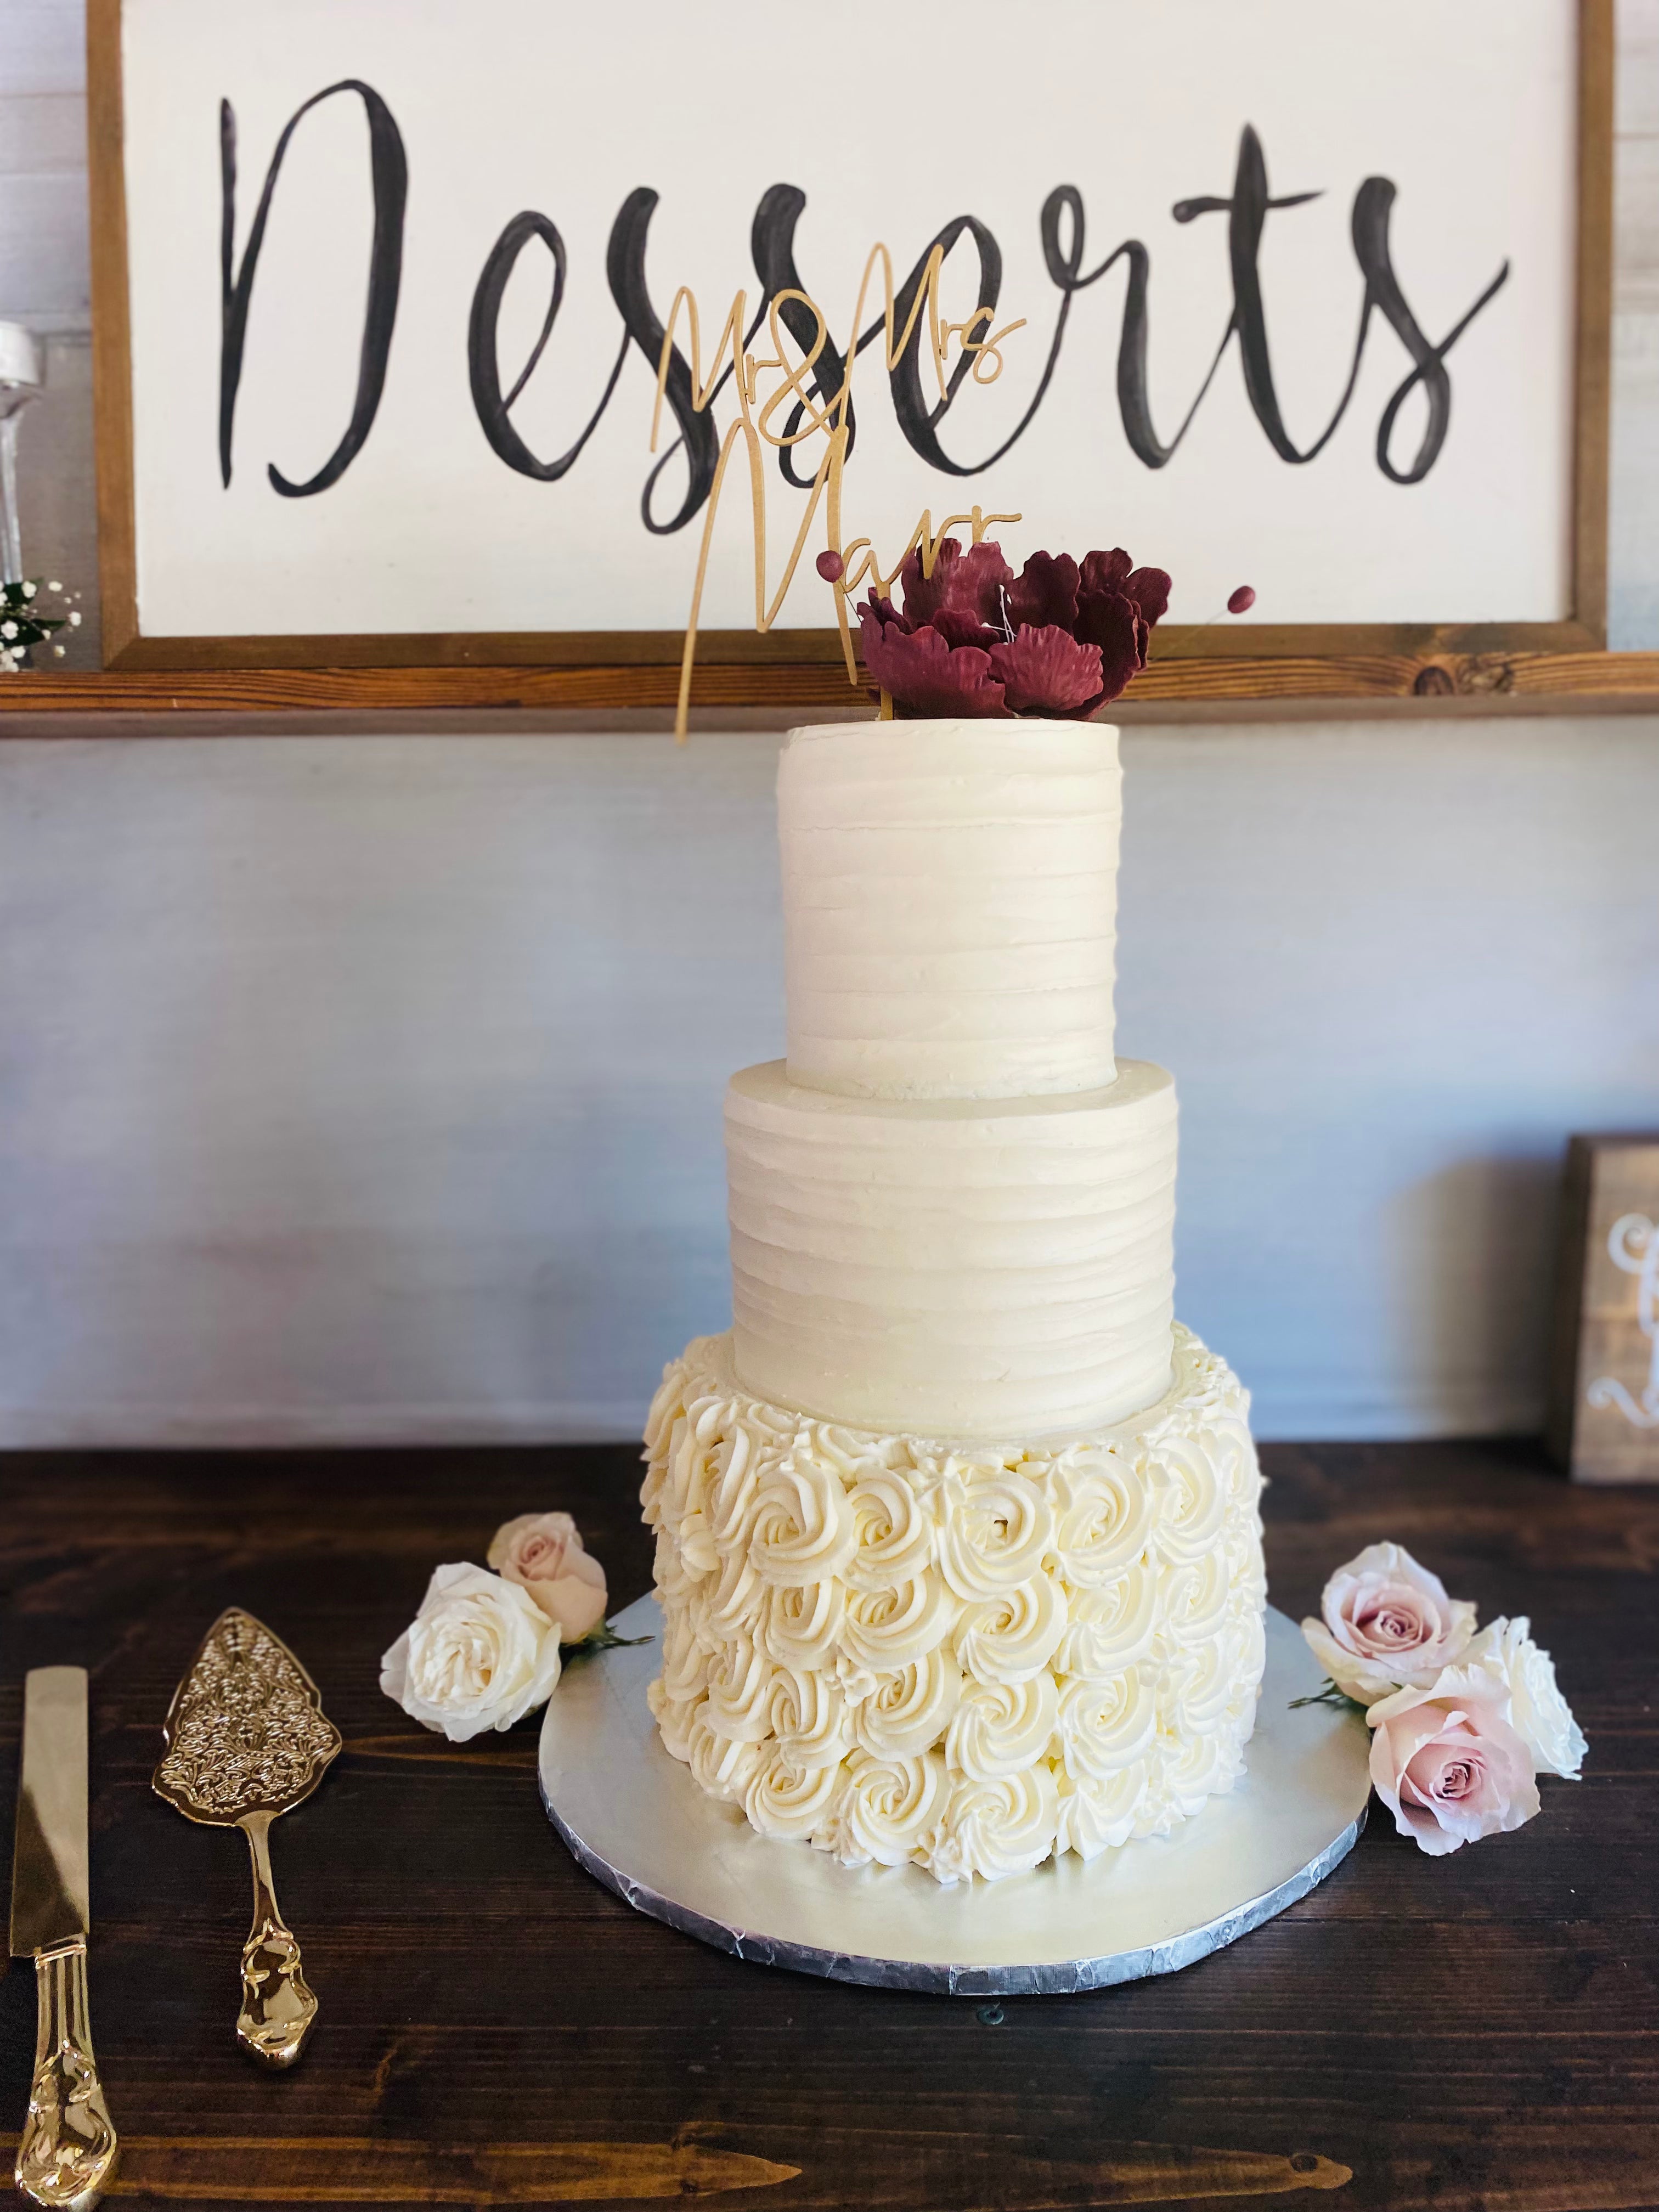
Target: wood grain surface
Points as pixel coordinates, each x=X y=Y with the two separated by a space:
x=1476 y=2034
x=1426 y=682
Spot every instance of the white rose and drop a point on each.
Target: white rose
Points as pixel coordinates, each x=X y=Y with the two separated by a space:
x=480 y=1654
x=1539 y=1713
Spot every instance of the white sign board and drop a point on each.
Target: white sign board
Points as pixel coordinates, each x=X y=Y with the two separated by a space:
x=1329 y=351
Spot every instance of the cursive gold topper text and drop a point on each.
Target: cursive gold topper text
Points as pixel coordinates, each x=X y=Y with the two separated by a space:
x=819 y=416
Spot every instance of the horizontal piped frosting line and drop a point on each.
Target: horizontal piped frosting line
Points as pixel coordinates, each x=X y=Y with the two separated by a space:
x=971 y=1657
x=949 y=900
x=973 y=1268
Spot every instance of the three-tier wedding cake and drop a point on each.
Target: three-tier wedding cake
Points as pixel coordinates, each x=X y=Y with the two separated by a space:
x=958 y=1544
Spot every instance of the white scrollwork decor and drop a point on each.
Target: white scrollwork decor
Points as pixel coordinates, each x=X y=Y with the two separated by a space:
x=1633 y=1246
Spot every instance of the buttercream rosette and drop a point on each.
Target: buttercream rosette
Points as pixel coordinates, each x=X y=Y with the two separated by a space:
x=963 y=1657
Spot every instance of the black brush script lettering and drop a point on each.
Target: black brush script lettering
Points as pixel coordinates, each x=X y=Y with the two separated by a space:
x=920 y=413
x=389 y=179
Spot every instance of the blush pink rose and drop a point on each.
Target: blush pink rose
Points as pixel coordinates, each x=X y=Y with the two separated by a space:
x=1387 y=1623
x=1448 y=1764
x=543 y=1553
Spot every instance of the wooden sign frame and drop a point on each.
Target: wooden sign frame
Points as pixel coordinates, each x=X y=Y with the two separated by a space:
x=1358 y=662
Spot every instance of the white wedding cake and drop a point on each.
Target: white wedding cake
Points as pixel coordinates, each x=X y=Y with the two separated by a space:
x=959 y=1550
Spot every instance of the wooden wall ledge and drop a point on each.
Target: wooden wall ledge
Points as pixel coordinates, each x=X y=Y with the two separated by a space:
x=1359 y=687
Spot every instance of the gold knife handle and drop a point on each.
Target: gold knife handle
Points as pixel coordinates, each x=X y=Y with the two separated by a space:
x=278 y=2009
x=68 y=2152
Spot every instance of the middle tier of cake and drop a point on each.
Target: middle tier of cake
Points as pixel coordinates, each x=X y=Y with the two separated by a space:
x=966 y=1267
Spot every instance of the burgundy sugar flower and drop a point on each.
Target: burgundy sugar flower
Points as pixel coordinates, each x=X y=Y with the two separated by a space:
x=1046 y=592
x=974 y=639
x=926 y=672
x=968 y=580
x=1047 y=671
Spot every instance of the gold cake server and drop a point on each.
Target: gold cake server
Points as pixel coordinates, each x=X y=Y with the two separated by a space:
x=68 y=2149
x=247 y=1739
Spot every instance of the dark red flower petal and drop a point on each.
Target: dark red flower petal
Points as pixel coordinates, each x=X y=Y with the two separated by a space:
x=1111 y=622
x=1106 y=572
x=957 y=627
x=970 y=580
x=881 y=613
x=1150 y=590
x=926 y=677
x=1045 y=591
x=1045 y=670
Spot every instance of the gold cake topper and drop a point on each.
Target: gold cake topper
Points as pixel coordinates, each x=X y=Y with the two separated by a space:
x=814 y=416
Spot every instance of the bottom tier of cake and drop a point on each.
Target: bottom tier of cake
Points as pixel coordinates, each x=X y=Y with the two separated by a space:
x=968 y=1656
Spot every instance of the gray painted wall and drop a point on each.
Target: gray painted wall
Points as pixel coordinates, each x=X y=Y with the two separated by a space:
x=369 y=1087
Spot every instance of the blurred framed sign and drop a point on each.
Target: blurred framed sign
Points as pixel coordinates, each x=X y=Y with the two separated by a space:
x=1307 y=297
x=1603 y=1423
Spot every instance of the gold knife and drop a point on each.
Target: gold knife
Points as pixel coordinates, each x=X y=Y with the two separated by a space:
x=68 y=2151
x=247 y=1739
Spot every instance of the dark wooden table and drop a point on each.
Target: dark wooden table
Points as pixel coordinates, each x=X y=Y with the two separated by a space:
x=1479 y=2032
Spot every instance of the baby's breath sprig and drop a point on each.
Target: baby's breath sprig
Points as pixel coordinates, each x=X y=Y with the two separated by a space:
x=24 y=623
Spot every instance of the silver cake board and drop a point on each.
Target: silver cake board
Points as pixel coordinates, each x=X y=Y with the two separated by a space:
x=633 y=1817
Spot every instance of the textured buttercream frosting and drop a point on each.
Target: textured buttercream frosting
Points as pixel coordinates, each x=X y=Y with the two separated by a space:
x=966 y=1268
x=968 y=1656
x=950 y=902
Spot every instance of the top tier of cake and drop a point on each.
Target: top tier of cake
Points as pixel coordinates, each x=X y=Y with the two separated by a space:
x=949 y=907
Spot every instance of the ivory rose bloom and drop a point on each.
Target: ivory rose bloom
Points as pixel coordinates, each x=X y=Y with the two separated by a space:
x=1388 y=1624
x=1448 y=1764
x=480 y=1654
x=1537 y=1711
x=543 y=1553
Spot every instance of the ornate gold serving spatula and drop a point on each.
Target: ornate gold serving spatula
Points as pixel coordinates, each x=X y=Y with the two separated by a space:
x=247 y=1739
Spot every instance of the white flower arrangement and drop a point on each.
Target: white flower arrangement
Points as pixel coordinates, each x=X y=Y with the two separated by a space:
x=23 y=625
x=484 y=1649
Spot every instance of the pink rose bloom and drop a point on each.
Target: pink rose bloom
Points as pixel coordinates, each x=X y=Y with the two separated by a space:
x=1448 y=1764
x=1387 y=1623
x=543 y=1553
